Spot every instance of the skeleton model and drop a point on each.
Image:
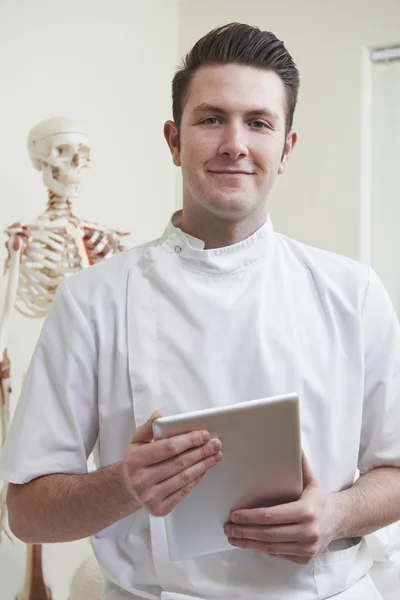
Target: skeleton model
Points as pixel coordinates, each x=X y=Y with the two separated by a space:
x=41 y=254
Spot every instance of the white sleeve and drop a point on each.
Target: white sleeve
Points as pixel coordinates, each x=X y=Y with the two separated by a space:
x=380 y=433
x=55 y=425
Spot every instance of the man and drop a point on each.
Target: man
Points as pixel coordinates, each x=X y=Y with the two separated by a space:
x=219 y=310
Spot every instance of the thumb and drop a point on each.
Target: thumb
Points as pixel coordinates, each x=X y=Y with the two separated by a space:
x=144 y=433
x=309 y=479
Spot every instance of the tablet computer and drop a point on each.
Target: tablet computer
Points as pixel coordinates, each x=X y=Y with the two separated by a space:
x=261 y=466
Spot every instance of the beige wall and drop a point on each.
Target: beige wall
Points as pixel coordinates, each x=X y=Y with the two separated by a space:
x=319 y=198
x=107 y=65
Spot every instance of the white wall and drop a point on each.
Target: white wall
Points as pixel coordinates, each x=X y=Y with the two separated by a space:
x=318 y=200
x=108 y=65
x=386 y=177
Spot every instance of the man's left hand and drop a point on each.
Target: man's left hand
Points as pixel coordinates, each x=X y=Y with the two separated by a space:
x=296 y=531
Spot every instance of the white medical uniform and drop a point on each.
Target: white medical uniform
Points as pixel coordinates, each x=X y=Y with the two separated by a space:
x=174 y=327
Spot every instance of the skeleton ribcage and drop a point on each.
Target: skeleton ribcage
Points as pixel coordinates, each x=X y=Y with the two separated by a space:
x=51 y=255
x=100 y=242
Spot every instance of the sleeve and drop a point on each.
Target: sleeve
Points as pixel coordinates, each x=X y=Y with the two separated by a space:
x=380 y=431
x=55 y=425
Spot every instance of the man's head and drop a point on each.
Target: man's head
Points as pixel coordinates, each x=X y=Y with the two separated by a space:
x=233 y=105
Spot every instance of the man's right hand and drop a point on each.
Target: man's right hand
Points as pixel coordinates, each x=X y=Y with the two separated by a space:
x=159 y=474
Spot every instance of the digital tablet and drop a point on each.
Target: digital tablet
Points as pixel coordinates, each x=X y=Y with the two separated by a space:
x=261 y=466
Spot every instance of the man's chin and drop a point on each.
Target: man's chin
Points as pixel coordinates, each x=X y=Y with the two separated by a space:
x=233 y=208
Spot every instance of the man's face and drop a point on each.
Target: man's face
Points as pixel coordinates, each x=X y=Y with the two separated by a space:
x=232 y=140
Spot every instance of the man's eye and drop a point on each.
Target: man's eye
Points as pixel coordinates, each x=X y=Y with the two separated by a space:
x=211 y=121
x=259 y=124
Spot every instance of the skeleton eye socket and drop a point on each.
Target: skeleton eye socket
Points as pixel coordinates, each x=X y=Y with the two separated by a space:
x=65 y=150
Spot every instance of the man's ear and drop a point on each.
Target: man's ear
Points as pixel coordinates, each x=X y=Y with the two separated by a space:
x=289 y=146
x=171 y=134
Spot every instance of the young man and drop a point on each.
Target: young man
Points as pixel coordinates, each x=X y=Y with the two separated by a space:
x=219 y=310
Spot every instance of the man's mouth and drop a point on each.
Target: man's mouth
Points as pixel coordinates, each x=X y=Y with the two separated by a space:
x=230 y=172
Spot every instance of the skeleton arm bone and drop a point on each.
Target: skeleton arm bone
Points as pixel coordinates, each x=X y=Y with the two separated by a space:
x=14 y=247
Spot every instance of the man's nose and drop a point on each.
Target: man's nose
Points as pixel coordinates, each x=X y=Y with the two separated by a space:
x=234 y=142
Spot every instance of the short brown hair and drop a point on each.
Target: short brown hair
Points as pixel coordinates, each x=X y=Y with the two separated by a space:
x=240 y=44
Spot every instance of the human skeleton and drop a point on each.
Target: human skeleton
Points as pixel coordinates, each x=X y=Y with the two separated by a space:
x=45 y=251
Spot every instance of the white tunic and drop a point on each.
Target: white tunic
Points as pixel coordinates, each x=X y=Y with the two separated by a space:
x=172 y=326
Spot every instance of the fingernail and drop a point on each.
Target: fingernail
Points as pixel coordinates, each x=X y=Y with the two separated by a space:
x=232 y=541
x=205 y=436
x=216 y=445
x=234 y=518
x=218 y=457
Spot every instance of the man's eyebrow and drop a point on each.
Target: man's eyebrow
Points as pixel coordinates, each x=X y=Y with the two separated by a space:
x=263 y=112
x=217 y=110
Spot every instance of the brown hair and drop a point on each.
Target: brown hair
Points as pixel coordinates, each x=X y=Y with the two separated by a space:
x=239 y=44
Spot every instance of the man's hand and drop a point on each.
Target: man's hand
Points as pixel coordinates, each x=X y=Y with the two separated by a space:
x=296 y=531
x=159 y=474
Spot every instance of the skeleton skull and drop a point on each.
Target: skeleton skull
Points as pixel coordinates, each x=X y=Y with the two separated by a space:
x=61 y=150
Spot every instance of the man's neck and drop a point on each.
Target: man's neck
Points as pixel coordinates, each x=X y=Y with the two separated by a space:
x=219 y=232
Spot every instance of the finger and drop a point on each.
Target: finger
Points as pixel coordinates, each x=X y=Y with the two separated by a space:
x=309 y=479
x=179 y=464
x=283 y=549
x=290 y=513
x=162 y=450
x=171 y=501
x=144 y=433
x=273 y=534
x=173 y=484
